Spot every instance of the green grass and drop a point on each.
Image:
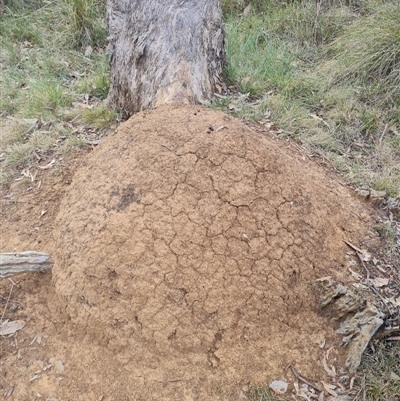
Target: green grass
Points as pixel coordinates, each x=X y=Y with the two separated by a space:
x=99 y=116
x=261 y=394
x=86 y=22
x=328 y=74
x=52 y=57
x=382 y=373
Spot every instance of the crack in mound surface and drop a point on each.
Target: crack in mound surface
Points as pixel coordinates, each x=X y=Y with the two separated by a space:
x=190 y=252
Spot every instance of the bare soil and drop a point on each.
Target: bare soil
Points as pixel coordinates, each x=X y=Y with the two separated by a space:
x=185 y=249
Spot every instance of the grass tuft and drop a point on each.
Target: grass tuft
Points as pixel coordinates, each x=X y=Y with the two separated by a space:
x=99 y=116
x=84 y=22
x=261 y=394
x=368 y=53
x=382 y=373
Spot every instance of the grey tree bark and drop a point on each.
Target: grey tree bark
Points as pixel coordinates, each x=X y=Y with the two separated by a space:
x=164 y=51
x=12 y=264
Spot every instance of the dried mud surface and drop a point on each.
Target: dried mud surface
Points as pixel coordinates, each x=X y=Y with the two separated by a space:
x=191 y=279
x=185 y=250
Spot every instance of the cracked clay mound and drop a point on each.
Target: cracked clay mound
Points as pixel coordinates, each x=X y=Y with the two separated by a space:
x=189 y=252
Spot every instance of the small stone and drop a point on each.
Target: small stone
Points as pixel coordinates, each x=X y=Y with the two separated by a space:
x=58 y=367
x=246 y=388
x=278 y=387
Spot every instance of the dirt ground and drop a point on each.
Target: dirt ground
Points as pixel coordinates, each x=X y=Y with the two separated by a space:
x=185 y=247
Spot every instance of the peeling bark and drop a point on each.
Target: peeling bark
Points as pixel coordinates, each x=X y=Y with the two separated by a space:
x=163 y=52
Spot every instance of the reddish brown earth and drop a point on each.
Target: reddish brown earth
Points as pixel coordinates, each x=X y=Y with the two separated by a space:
x=185 y=253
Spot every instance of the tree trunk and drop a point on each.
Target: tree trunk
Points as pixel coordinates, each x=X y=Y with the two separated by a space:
x=164 y=51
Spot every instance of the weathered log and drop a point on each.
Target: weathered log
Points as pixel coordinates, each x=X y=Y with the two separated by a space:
x=164 y=51
x=12 y=264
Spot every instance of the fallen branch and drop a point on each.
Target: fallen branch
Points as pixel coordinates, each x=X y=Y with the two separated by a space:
x=302 y=379
x=12 y=264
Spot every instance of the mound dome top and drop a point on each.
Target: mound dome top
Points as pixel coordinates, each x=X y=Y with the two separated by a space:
x=187 y=243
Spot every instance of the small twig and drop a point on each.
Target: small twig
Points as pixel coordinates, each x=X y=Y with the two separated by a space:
x=359 y=253
x=366 y=268
x=376 y=292
x=353 y=246
x=363 y=388
x=8 y=298
x=370 y=285
x=173 y=151
x=356 y=396
x=32 y=128
x=301 y=378
x=395 y=338
x=75 y=118
x=13 y=301
x=383 y=133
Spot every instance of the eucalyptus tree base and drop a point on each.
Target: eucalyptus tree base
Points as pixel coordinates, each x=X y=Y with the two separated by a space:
x=168 y=51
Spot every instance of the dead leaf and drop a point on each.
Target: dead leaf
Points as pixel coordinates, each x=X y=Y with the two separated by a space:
x=7 y=327
x=329 y=388
x=88 y=51
x=279 y=387
x=42 y=213
x=363 y=254
x=82 y=106
x=381 y=269
x=355 y=274
x=315 y=117
x=377 y=194
x=247 y=10
x=34 y=340
x=326 y=278
x=34 y=377
x=380 y=282
x=394 y=376
x=29 y=121
x=9 y=392
x=48 y=165
x=328 y=370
